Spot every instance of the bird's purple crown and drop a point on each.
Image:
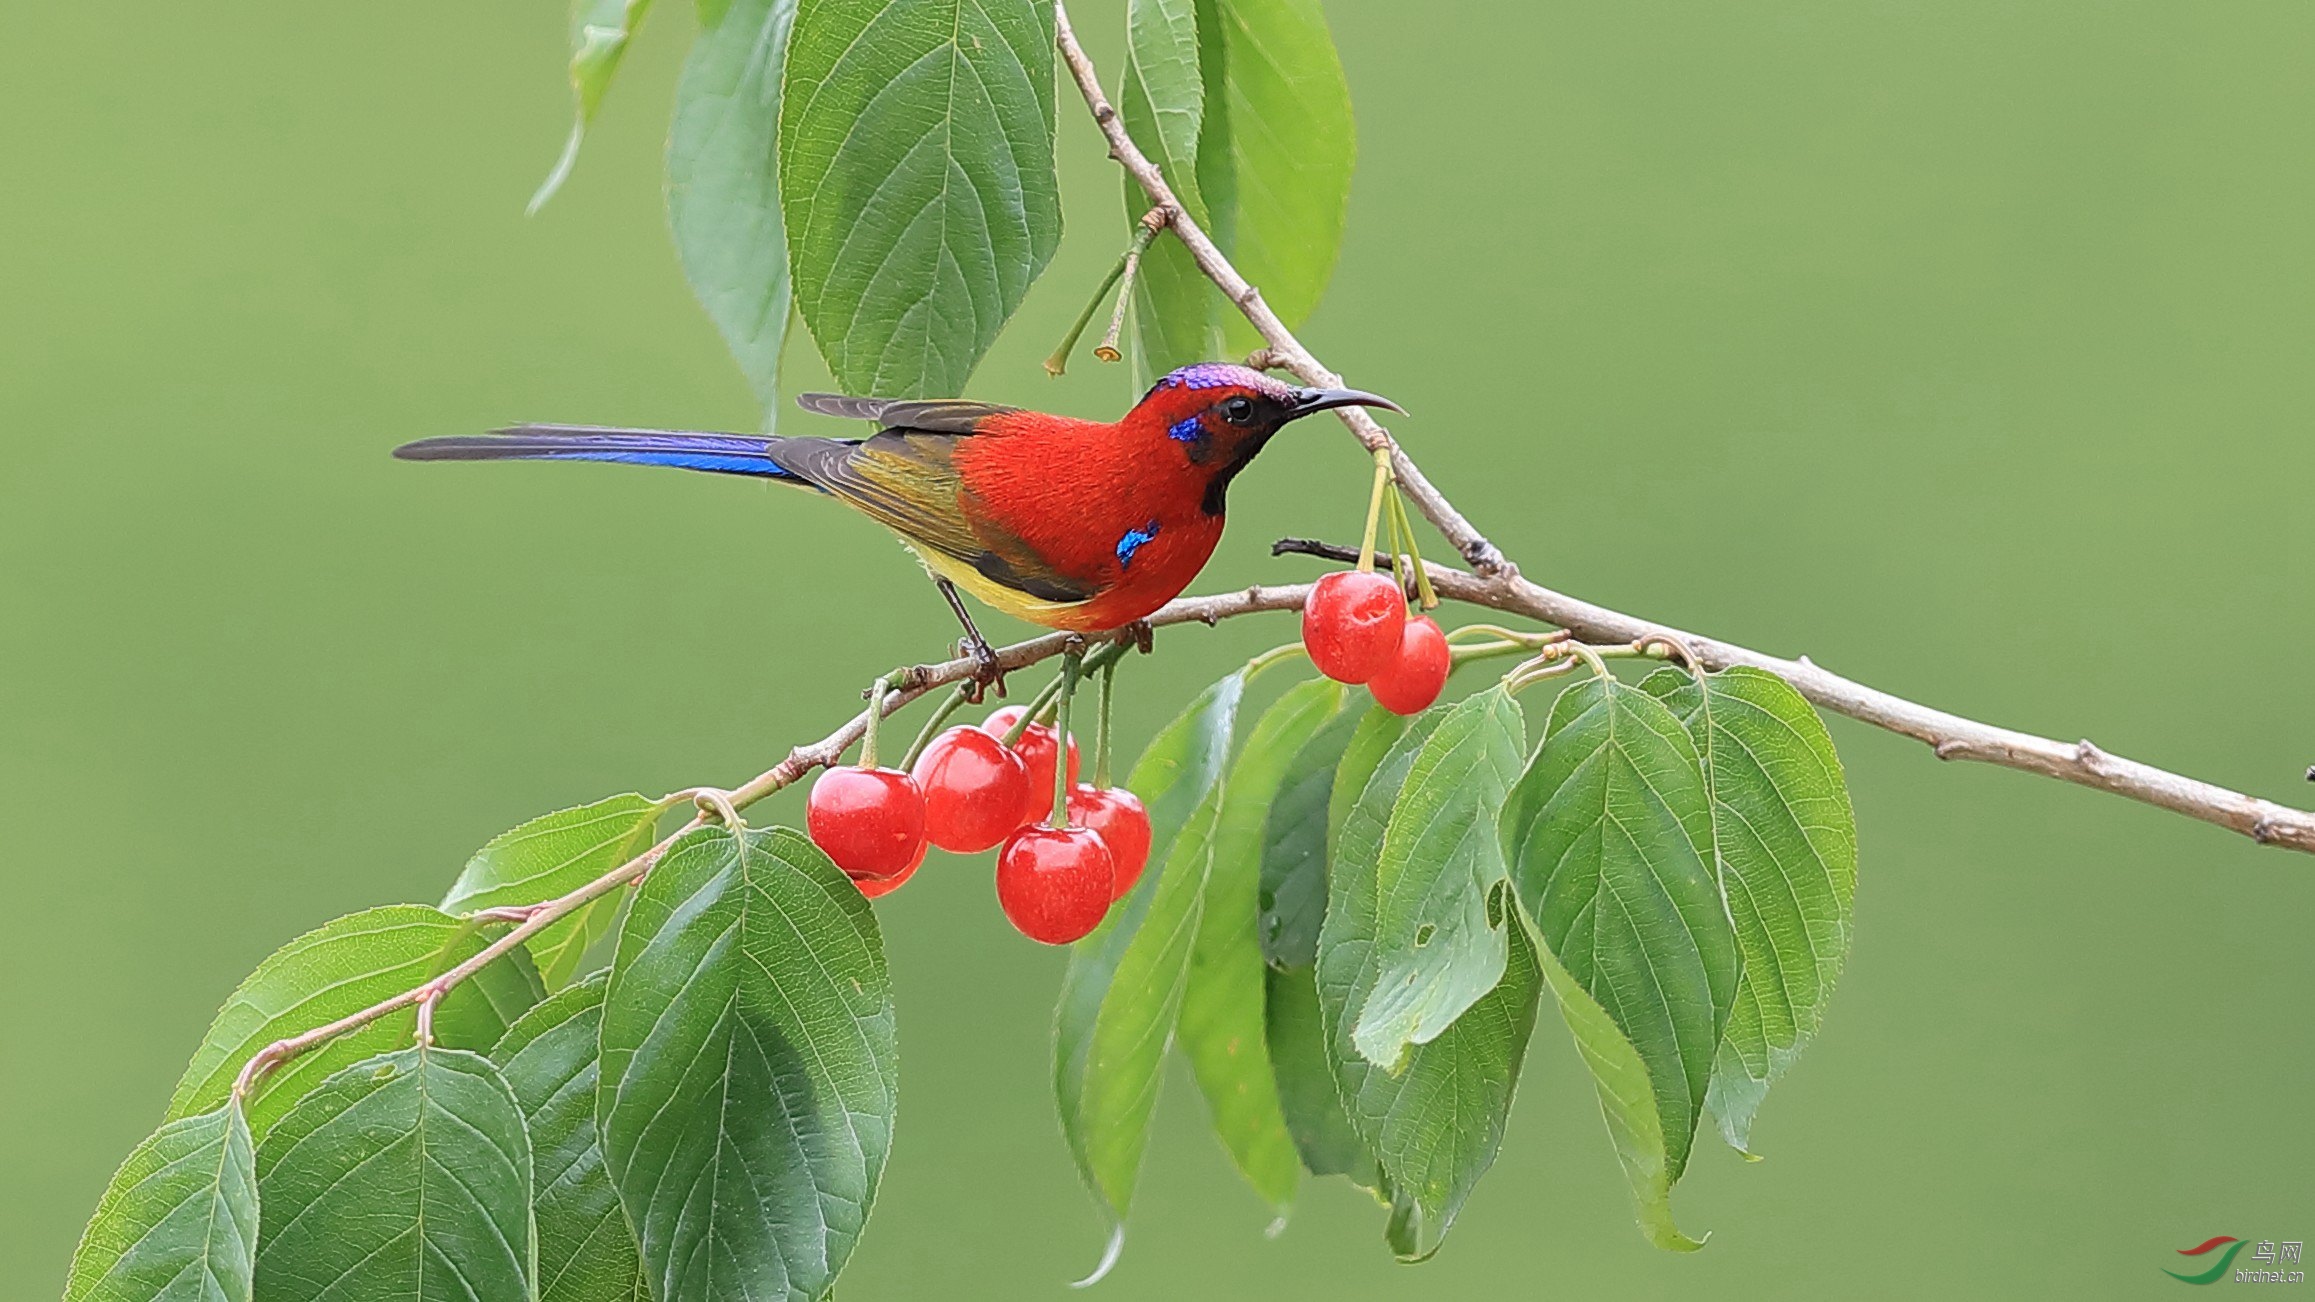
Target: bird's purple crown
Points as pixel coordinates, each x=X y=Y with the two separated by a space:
x=1217 y=375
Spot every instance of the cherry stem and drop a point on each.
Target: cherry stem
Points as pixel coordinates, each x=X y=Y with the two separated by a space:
x=1040 y=705
x=1106 y=350
x=1145 y=230
x=1374 y=509
x=875 y=722
x=1423 y=589
x=1072 y=667
x=932 y=726
x=1101 y=732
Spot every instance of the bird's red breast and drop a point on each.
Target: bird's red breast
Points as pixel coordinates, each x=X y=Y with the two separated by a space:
x=1119 y=508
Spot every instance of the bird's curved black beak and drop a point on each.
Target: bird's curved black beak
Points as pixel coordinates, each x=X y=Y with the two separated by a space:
x=1306 y=401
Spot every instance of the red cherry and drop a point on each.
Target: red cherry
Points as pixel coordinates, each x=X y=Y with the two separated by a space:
x=974 y=789
x=870 y=821
x=1410 y=683
x=1054 y=882
x=1036 y=749
x=875 y=886
x=1117 y=815
x=1351 y=624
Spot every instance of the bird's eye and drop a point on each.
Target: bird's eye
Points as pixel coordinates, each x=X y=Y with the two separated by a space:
x=1238 y=411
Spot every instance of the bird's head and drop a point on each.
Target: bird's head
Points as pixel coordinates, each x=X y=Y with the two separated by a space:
x=1217 y=416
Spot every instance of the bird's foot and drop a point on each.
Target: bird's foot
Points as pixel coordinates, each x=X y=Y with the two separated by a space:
x=1139 y=635
x=986 y=672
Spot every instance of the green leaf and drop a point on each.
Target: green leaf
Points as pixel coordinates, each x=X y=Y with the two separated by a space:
x=1605 y=830
x=586 y=1252
x=1439 y=929
x=1221 y=1027
x=1323 y=1134
x=600 y=30
x=1161 y=99
x=1627 y=1102
x=406 y=1176
x=1293 y=891
x=916 y=170
x=1370 y=744
x=342 y=967
x=1276 y=149
x=1123 y=989
x=749 y=1063
x=723 y=183
x=552 y=855
x=1786 y=839
x=1436 y=1125
x=179 y=1220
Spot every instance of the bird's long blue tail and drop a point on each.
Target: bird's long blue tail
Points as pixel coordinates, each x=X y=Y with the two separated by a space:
x=722 y=454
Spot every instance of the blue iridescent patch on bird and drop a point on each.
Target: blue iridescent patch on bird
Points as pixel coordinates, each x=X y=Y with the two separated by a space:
x=1134 y=540
x=1189 y=429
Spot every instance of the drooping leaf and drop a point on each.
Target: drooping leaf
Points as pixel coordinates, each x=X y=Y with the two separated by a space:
x=916 y=171
x=723 y=183
x=1293 y=891
x=1608 y=830
x=1439 y=929
x=600 y=30
x=1222 y=1015
x=1161 y=100
x=1436 y=1125
x=178 y=1223
x=749 y=1063
x=586 y=1251
x=549 y=856
x=1122 y=993
x=406 y=1177
x=1323 y=1134
x=1276 y=149
x=1786 y=838
x=1627 y=1102
x=339 y=968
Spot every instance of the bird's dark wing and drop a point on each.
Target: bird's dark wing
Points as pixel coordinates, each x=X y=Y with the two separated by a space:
x=907 y=481
x=938 y=416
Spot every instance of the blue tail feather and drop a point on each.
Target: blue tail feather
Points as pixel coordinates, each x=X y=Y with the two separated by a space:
x=723 y=454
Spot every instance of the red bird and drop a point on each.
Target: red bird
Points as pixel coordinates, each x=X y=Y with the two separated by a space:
x=1074 y=524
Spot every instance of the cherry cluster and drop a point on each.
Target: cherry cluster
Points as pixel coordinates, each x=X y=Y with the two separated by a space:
x=1357 y=630
x=970 y=791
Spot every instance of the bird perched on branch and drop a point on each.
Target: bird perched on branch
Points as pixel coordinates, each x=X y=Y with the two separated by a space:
x=1074 y=524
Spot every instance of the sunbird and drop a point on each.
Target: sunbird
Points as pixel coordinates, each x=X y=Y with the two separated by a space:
x=1081 y=525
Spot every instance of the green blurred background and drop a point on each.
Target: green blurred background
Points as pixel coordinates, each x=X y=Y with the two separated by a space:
x=1964 y=347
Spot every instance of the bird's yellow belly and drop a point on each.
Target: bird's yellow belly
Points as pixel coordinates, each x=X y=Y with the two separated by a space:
x=1067 y=615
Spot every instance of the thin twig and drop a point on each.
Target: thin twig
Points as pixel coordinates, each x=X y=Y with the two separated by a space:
x=1498 y=583
x=1285 y=350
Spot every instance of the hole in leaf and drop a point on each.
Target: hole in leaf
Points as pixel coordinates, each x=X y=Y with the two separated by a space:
x=1423 y=935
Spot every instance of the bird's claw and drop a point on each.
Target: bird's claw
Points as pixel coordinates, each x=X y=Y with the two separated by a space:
x=1139 y=634
x=986 y=672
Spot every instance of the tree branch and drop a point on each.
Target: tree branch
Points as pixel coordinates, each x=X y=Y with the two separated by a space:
x=719 y=806
x=1499 y=585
